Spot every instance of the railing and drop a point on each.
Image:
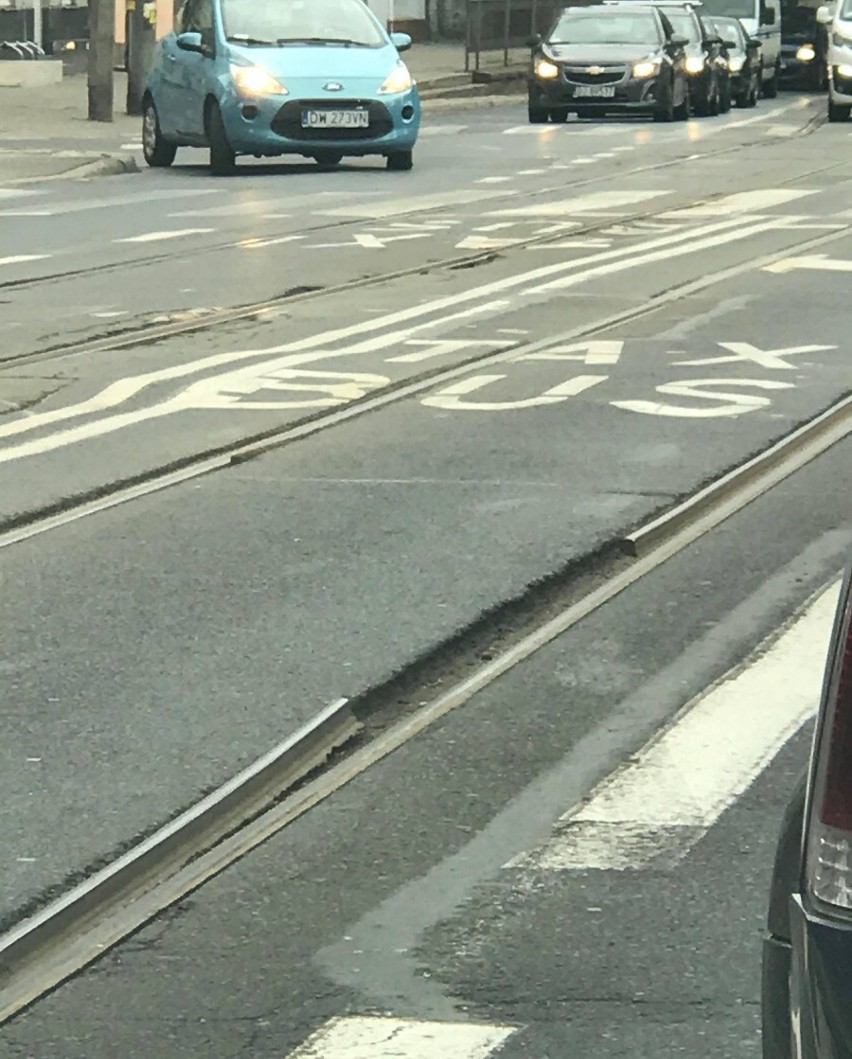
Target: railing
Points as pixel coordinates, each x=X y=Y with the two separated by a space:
x=20 y=49
x=504 y=25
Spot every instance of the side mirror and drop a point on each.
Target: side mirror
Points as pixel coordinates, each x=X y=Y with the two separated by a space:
x=753 y=44
x=534 y=40
x=401 y=41
x=824 y=15
x=712 y=41
x=191 y=42
x=767 y=16
x=679 y=42
x=731 y=44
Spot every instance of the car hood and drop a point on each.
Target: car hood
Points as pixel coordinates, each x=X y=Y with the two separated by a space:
x=598 y=53
x=323 y=61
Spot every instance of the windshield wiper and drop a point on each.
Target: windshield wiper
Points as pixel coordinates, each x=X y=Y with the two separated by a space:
x=323 y=40
x=241 y=38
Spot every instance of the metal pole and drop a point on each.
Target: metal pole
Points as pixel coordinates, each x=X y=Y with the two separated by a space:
x=507 y=30
x=38 y=23
x=101 y=49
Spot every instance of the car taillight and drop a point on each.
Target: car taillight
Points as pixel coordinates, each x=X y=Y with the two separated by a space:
x=829 y=853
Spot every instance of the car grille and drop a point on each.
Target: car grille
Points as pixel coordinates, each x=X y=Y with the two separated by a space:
x=581 y=76
x=288 y=121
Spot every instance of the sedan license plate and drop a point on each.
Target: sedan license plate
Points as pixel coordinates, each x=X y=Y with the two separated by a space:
x=335 y=119
x=598 y=91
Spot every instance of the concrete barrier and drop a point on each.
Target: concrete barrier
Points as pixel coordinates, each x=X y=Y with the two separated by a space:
x=20 y=74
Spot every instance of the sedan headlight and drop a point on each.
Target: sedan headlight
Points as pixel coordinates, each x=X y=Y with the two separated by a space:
x=255 y=81
x=736 y=63
x=695 y=64
x=398 y=80
x=546 y=70
x=647 y=68
x=806 y=54
x=844 y=71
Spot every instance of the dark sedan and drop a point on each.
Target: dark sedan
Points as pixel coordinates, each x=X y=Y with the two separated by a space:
x=707 y=75
x=605 y=59
x=744 y=59
x=807 y=956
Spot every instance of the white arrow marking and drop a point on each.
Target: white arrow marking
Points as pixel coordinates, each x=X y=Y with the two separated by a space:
x=373 y=242
x=820 y=262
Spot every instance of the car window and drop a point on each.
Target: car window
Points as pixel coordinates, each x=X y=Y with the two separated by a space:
x=727 y=29
x=616 y=27
x=846 y=10
x=685 y=24
x=198 y=18
x=730 y=8
x=299 y=21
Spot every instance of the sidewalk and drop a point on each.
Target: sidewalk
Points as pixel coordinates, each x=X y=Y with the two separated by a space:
x=45 y=134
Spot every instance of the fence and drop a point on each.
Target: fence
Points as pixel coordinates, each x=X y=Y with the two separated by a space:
x=503 y=25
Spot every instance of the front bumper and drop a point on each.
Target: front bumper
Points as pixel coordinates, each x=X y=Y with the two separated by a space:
x=627 y=94
x=271 y=126
x=821 y=973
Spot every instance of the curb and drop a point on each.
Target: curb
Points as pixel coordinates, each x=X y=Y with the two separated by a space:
x=170 y=849
x=471 y=102
x=95 y=166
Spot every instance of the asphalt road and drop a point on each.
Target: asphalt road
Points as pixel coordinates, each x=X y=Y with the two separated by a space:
x=596 y=320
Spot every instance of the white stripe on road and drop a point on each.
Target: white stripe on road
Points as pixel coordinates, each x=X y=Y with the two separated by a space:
x=19 y=259
x=387 y=1038
x=600 y=200
x=396 y=207
x=157 y=237
x=655 y=809
x=78 y=205
x=743 y=202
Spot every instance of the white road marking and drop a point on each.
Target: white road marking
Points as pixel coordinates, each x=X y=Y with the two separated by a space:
x=583 y=161
x=743 y=202
x=371 y=1037
x=493 y=180
x=429 y=348
x=484 y=242
x=14 y=193
x=818 y=262
x=131 y=147
x=256 y=244
x=597 y=351
x=721 y=402
x=451 y=396
x=596 y=201
x=655 y=809
x=393 y=207
x=19 y=259
x=157 y=237
x=531 y=172
x=573 y=244
x=80 y=205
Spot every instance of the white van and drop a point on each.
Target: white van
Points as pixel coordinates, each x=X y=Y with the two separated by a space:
x=838 y=18
x=762 y=20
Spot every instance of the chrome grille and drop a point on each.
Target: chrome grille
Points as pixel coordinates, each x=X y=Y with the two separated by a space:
x=580 y=75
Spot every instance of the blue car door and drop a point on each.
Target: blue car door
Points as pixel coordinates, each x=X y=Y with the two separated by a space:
x=197 y=70
x=167 y=88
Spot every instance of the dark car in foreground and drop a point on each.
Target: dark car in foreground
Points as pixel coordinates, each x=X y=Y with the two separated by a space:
x=744 y=60
x=706 y=70
x=807 y=955
x=608 y=59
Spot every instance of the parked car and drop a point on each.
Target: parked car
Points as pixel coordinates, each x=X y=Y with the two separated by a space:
x=609 y=59
x=317 y=78
x=807 y=955
x=705 y=64
x=837 y=18
x=743 y=58
x=762 y=20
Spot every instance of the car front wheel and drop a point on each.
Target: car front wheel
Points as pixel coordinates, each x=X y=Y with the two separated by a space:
x=770 y=87
x=401 y=161
x=838 y=111
x=158 y=152
x=538 y=115
x=223 y=160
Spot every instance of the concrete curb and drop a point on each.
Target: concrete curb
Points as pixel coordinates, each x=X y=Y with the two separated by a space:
x=95 y=166
x=472 y=102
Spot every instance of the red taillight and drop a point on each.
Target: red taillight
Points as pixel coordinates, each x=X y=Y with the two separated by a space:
x=828 y=867
x=836 y=810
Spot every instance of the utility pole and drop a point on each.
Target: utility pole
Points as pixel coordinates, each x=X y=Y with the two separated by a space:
x=142 y=39
x=38 y=23
x=101 y=48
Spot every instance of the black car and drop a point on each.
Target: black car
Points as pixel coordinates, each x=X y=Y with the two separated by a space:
x=607 y=59
x=706 y=72
x=804 y=47
x=744 y=59
x=807 y=955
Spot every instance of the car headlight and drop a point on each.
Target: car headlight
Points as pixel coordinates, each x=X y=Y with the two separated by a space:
x=647 y=68
x=736 y=63
x=844 y=71
x=398 y=80
x=255 y=81
x=806 y=54
x=695 y=64
x=546 y=70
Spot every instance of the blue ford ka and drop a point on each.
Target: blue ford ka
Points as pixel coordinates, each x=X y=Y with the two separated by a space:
x=316 y=78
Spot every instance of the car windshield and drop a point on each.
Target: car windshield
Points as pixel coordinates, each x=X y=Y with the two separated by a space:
x=846 y=10
x=613 y=28
x=727 y=29
x=323 y=22
x=730 y=8
x=684 y=24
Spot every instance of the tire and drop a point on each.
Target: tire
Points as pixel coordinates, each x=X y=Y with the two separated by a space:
x=538 y=115
x=664 y=112
x=223 y=160
x=681 y=113
x=401 y=161
x=725 y=100
x=559 y=115
x=159 y=153
x=328 y=159
x=838 y=111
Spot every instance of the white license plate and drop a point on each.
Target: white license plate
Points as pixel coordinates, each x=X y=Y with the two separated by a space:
x=335 y=119
x=598 y=91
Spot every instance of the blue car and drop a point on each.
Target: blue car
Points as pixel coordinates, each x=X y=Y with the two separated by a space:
x=316 y=78
x=807 y=953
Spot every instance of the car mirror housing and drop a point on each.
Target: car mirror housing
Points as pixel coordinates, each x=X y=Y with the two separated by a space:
x=401 y=41
x=191 y=42
x=534 y=40
x=824 y=15
x=678 y=41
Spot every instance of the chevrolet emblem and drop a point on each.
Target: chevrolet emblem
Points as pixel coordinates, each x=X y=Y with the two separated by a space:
x=594 y=69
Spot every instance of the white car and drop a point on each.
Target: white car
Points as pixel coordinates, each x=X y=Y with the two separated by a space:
x=838 y=20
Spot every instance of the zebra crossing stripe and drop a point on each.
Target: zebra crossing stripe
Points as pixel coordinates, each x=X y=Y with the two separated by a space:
x=357 y=1037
